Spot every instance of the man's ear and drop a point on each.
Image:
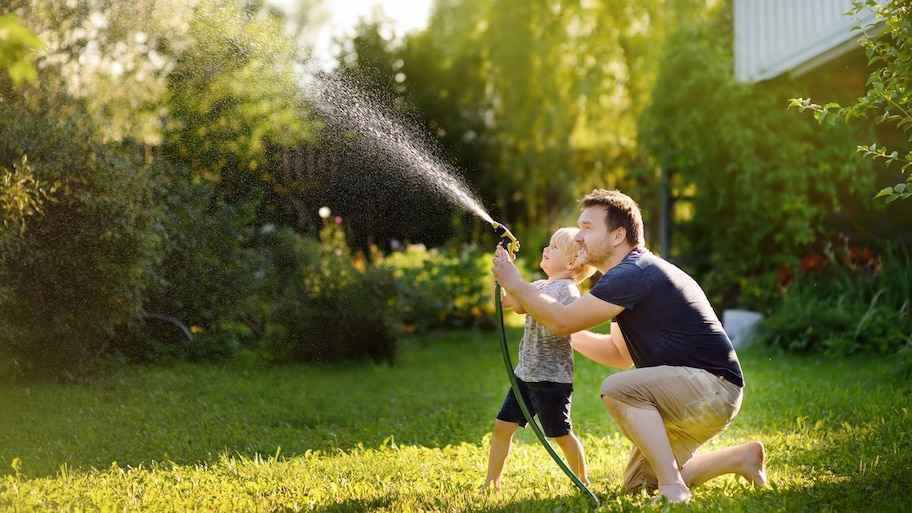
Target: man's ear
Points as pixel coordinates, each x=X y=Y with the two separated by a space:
x=620 y=235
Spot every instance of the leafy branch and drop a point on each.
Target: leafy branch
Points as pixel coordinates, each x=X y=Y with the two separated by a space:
x=886 y=44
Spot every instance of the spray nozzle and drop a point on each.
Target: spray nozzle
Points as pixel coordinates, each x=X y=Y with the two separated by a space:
x=507 y=239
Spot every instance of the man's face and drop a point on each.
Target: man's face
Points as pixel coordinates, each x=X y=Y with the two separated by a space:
x=594 y=237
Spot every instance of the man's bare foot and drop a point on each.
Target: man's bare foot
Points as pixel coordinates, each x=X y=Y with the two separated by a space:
x=754 y=464
x=676 y=493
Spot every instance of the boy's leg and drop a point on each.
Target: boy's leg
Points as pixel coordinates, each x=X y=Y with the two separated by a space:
x=501 y=440
x=552 y=401
x=508 y=420
x=576 y=457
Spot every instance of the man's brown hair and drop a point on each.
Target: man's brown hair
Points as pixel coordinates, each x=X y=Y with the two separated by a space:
x=620 y=212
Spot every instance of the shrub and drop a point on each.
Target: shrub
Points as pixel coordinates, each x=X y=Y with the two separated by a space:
x=844 y=301
x=441 y=288
x=78 y=271
x=204 y=280
x=320 y=307
x=754 y=185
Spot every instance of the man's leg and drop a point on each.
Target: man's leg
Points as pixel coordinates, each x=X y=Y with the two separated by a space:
x=747 y=460
x=646 y=429
x=668 y=412
x=638 y=473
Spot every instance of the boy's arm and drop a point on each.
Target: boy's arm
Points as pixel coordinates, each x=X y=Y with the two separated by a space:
x=584 y=313
x=507 y=301
x=610 y=349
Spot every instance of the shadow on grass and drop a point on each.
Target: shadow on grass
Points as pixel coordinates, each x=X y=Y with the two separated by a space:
x=565 y=504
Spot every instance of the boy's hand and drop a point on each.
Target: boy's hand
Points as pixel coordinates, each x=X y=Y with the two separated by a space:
x=503 y=268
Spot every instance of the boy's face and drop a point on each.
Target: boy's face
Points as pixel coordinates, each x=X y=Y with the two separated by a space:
x=554 y=259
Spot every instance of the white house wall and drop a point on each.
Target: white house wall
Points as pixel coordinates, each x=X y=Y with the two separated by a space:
x=773 y=37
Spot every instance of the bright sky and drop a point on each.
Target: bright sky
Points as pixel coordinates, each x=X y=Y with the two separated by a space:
x=406 y=15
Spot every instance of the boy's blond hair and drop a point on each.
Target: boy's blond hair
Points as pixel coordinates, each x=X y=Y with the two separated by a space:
x=564 y=237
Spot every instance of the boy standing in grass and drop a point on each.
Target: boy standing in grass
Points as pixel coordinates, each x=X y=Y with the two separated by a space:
x=544 y=371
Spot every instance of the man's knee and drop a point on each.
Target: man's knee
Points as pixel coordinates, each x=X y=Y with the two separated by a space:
x=614 y=406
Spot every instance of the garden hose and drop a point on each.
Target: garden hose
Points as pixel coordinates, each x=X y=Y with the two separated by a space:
x=509 y=242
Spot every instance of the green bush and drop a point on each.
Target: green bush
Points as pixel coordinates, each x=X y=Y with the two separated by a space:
x=441 y=288
x=204 y=281
x=319 y=306
x=78 y=271
x=844 y=301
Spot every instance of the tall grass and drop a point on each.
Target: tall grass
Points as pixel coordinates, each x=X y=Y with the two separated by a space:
x=242 y=436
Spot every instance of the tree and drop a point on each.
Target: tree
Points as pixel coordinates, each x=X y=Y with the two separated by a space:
x=550 y=93
x=111 y=55
x=756 y=189
x=233 y=91
x=888 y=45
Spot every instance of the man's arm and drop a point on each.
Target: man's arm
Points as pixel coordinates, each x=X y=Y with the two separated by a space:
x=508 y=303
x=584 y=313
x=610 y=349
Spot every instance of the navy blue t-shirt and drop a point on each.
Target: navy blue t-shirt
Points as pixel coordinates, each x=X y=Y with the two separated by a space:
x=667 y=318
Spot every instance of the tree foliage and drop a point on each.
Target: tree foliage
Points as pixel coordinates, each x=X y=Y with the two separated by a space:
x=538 y=102
x=755 y=187
x=111 y=55
x=888 y=45
x=232 y=92
x=17 y=47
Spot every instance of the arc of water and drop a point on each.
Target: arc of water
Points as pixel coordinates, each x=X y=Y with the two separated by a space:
x=341 y=105
x=346 y=108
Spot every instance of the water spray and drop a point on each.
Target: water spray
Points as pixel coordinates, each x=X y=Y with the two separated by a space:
x=511 y=244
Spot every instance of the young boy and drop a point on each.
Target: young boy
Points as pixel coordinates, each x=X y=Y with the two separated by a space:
x=545 y=367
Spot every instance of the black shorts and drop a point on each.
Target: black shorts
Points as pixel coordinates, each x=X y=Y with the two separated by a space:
x=548 y=400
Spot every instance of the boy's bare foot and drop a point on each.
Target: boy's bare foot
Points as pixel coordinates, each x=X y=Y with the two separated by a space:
x=489 y=484
x=754 y=464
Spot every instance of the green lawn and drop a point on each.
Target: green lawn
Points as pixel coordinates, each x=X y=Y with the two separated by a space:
x=243 y=436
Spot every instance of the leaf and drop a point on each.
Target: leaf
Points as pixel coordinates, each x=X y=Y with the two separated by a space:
x=886 y=191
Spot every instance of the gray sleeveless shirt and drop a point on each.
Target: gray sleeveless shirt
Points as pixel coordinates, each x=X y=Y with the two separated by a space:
x=543 y=356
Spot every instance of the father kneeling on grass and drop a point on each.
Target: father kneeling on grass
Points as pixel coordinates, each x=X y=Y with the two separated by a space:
x=687 y=384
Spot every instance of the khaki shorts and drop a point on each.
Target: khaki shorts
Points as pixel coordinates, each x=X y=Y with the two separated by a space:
x=695 y=406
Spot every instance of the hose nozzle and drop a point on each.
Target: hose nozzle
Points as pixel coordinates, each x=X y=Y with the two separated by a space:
x=507 y=239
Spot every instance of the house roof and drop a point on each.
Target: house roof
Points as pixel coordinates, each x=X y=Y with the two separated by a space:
x=773 y=37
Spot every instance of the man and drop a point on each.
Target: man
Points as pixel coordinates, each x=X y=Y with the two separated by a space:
x=687 y=385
